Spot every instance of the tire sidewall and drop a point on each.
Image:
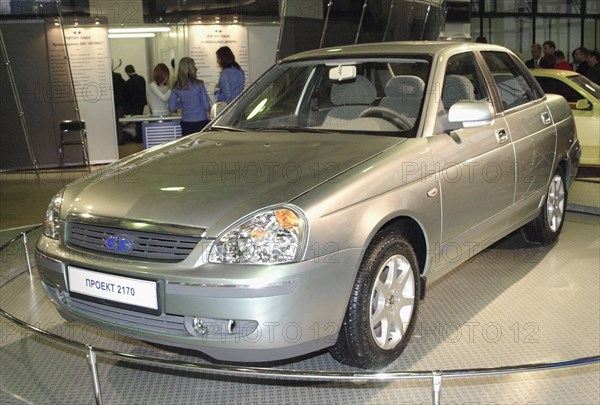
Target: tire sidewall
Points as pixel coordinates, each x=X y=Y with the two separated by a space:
x=358 y=325
x=549 y=234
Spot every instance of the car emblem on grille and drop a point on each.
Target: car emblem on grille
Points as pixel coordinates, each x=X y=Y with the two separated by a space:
x=119 y=244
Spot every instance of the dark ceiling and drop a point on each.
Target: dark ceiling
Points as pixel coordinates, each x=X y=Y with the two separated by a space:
x=245 y=10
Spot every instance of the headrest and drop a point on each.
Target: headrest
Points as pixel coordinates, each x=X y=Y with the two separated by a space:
x=357 y=91
x=406 y=85
x=457 y=88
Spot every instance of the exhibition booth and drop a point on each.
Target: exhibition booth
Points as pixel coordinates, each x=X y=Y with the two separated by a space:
x=80 y=54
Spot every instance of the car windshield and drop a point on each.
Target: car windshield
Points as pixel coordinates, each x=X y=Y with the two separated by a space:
x=380 y=96
x=587 y=84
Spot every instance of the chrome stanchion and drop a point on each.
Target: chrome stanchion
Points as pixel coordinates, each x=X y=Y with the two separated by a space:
x=437 y=387
x=91 y=357
x=27 y=255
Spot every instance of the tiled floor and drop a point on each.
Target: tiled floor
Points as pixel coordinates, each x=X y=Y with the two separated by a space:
x=509 y=305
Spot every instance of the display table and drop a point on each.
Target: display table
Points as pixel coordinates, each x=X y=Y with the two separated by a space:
x=156 y=130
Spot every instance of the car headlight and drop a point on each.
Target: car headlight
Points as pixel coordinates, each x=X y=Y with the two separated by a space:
x=51 y=222
x=271 y=236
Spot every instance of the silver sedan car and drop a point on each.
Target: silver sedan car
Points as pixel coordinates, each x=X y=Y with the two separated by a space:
x=312 y=211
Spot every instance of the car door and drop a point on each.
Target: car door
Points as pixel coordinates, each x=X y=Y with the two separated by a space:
x=531 y=128
x=587 y=115
x=475 y=166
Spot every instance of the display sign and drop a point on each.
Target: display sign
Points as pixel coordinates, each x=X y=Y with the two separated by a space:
x=125 y=290
x=204 y=40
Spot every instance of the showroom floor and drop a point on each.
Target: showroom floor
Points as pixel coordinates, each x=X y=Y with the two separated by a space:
x=511 y=305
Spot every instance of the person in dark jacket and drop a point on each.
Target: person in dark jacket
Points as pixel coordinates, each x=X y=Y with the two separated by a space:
x=135 y=97
x=593 y=61
x=135 y=92
x=580 y=64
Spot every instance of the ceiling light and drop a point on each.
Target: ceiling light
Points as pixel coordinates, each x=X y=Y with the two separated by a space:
x=133 y=35
x=137 y=30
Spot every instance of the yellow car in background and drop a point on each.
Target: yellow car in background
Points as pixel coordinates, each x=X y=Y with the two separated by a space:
x=583 y=96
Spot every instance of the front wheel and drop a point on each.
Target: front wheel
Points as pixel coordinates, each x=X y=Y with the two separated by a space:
x=383 y=305
x=546 y=227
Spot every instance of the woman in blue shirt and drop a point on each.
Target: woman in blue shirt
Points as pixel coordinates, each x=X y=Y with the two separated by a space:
x=190 y=95
x=232 y=78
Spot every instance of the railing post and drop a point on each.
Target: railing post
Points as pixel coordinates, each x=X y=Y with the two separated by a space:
x=91 y=357
x=437 y=387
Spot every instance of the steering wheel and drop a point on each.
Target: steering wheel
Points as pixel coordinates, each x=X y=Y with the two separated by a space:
x=389 y=115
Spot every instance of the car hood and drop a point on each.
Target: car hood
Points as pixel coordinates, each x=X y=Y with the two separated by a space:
x=218 y=177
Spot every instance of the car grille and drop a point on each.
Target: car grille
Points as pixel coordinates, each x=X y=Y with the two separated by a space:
x=144 y=245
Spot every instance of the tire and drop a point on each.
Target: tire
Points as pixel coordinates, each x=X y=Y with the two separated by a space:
x=546 y=227
x=383 y=306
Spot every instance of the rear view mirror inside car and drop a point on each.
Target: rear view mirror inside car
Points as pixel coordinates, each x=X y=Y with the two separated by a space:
x=342 y=72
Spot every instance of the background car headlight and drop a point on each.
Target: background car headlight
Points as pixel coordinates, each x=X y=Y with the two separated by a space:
x=51 y=222
x=271 y=236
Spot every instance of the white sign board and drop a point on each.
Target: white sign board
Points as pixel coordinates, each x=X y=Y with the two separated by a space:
x=126 y=290
x=90 y=66
x=204 y=40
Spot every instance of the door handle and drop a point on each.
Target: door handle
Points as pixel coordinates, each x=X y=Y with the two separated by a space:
x=546 y=118
x=501 y=135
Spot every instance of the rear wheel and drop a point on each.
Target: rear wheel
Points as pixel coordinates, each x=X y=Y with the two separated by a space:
x=383 y=306
x=546 y=227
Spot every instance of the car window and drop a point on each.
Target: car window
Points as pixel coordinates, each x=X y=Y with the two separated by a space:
x=463 y=81
x=360 y=95
x=513 y=87
x=586 y=84
x=555 y=86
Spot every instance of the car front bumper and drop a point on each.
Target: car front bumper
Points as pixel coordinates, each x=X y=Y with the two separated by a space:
x=272 y=313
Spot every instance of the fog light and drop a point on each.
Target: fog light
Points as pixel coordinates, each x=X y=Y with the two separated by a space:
x=199 y=326
x=62 y=296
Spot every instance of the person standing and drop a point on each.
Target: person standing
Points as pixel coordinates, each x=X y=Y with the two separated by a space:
x=189 y=94
x=158 y=92
x=580 y=60
x=232 y=78
x=536 y=57
x=135 y=92
x=593 y=61
x=561 y=62
x=548 y=59
x=135 y=97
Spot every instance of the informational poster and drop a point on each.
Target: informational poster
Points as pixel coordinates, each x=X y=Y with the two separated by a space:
x=204 y=40
x=89 y=58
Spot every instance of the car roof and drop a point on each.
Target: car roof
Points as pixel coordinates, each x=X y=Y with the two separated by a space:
x=394 y=48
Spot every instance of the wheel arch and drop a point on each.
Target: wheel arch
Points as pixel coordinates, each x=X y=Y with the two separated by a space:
x=566 y=168
x=416 y=235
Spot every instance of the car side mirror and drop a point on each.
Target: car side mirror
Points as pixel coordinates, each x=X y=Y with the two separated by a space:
x=471 y=113
x=217 y=108
x=583 y=104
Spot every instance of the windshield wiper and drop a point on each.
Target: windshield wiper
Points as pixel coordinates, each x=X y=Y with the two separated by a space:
x=295 y=129
x=221 y=128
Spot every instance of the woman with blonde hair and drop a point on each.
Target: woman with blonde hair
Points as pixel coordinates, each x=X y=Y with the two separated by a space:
x=189 y=94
